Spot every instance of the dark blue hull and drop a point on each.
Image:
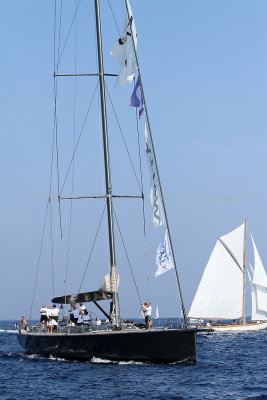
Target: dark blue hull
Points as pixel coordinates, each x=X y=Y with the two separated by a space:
x=159 y=346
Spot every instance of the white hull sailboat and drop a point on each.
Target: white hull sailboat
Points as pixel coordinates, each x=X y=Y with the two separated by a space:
x=220 y=296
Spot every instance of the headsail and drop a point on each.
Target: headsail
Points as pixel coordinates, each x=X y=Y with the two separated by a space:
x=219 y=294
x=258 y=288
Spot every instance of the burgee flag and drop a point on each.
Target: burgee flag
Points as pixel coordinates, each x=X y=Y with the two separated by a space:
x=137 y=98
x=124 y=53
x=164 y=259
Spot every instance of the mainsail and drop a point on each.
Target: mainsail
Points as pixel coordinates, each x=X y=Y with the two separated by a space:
x=220 y=291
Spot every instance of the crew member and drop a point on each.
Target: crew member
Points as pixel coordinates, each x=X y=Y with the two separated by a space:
x=147 y=309
x=55 y=313
x=50 y=325
x=43 y=312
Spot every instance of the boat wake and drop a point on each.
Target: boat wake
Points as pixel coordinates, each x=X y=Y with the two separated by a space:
x=25 y=356
x=7 y=331
x=96 y=360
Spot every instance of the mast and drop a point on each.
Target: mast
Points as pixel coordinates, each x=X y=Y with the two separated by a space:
x=115 y=301
x=244 y=271
x=156 y=165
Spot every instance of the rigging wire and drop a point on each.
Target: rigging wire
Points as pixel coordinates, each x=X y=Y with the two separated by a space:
x=131 y=269
x=114 y=18
x=78 y=141
x=92 y=248
x=39 y=259
x=52 y=247
x=124 y=141
x=143 y=205
x=67 y=37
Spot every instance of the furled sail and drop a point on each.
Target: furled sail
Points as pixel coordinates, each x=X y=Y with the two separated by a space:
x=109 y=285
x=220 y=291
x=82 y=297
x=111 y=282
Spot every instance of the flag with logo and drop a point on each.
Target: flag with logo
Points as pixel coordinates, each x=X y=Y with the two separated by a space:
x=137 y=98
x=124 y=53
x=155 y=196
x=164 y=259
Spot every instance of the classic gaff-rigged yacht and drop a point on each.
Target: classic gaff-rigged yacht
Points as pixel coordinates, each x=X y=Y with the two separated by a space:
x=117 y=342
x=221 y=292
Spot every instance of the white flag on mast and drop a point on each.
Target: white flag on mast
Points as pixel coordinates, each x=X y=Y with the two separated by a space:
x=164 y=259
x=124 y=53
x=155 y=196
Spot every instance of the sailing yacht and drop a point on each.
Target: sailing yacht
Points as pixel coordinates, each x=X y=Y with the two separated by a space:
x=221 y=292
x=117 y=341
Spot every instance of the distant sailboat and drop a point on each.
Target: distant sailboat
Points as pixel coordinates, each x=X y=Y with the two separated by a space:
x=221 y=292
x=157 y=313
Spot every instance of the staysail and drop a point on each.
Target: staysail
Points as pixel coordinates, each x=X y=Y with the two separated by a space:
x=258 y=288
x=220 y=291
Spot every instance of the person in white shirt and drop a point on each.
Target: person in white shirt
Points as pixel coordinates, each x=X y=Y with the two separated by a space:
x=80 y=318
x=82 y=307
x=50 y=325
x=147 y=310
x=98 y=322
x=49 y=312
x=86 y=318
x=55 y=313
x=43 y=312
x=76 y=314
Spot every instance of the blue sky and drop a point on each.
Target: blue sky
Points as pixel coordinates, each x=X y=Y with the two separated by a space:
x=203 y=66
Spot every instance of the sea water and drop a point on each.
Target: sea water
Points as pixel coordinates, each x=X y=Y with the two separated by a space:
x=229 y=366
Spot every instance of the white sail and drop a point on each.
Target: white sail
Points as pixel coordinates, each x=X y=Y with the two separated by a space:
x=259 y=275
x=256 y=314
x=157 y=313
x=220 y=291
x=235 y=243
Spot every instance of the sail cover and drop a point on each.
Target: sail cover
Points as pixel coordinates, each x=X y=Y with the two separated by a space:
x=220 y=291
